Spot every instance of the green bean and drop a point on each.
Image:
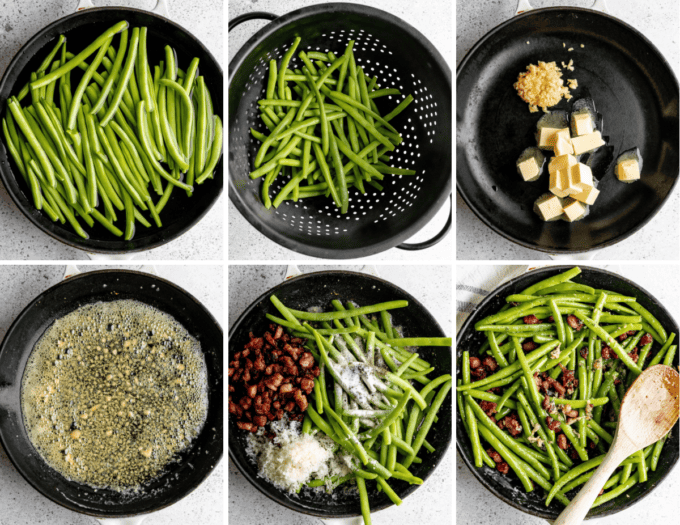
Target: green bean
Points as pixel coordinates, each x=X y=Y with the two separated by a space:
x=113 y=73
x=660 y=354
x=74 y=62
x=215 y=153
x=602 y=334
x=123 y=79
x=84 y=81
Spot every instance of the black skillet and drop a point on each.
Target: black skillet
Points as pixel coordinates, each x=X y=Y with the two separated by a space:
x=180 y=478
x=318 y=290
x=634 y=89
x=508 y=488
x=181 y=212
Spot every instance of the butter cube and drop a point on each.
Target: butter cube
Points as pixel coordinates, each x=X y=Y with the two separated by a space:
x=581 y=177
x=628 y=170
x=563 y=162
x=549 y=208
x=563 y=147
x=559 y=183
x=529 y=169
x=583 y=124
x=548 y=137
x=587 y=196
x=573 y=210
x=585 y=143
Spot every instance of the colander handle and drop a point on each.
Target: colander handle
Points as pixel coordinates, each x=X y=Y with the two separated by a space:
x=524 y=6
x=161 y=7
x=434 y=240
x=255 y=15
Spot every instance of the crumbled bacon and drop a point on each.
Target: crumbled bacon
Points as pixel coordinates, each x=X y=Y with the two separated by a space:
x=646 y=339
x=531 y=319
x=262 y=378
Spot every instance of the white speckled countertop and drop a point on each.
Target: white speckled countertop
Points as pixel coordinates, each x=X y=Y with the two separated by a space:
x=245 y=242
x=477 y=506
x=432 y=502
x=20 y=504
x=19 y=21
x=658 y=21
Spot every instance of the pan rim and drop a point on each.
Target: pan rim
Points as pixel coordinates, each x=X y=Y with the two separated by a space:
x=10 y=181
x=39 y=299
x=298 y=246
x=265 y=296
x=619 y=238
x=540 y=273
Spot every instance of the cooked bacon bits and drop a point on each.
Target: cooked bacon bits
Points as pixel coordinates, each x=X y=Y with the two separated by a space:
x=488 y=407
x=494 y=455
x=490 y=364
x=552 y=423
x=608 y=353
x=503 y=467
x=475 y=363
x=480 y=369
x=584 y=352
x=528 y=346
x=272 y=375
x=562 y=442
x=574 y=322
x=531 y=319
x=633 y=354
x=646 y=339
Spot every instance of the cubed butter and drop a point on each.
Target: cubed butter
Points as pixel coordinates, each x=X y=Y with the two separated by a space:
x=583 y=124
x=587 y=196
x=529 y=168
x=581 y=177
x=585 y=143
x=549 y=208
x=559 y=183
x=563 y=162
x=628 y=170
x=548 y=137
x=573 y=210
x=563 y=147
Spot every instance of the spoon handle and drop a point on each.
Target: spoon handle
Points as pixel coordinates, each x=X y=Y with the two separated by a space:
x=578 y=508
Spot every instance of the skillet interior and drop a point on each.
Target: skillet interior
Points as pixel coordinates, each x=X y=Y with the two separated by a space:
x=181 y=212
x=317 y=290
x=633 y=88
x=193 y=465
x=509 y=488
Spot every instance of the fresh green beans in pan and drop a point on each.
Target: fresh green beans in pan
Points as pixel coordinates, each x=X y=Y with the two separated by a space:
x=609 y=347
x=386 y=423
x=103 y=143
x=345 y=112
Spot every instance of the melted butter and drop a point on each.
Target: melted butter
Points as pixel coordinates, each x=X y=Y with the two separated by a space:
x=113 y=392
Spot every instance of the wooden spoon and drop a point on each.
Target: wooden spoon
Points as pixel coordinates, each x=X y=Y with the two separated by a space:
x=648 y=412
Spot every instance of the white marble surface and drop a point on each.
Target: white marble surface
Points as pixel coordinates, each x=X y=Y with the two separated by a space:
x=476 y=506
x=431 y=503
x=19 y=21
x=245 y=242
x=658 y=21
x=20 y=504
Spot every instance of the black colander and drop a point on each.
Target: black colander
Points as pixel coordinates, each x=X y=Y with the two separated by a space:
x=401 y=57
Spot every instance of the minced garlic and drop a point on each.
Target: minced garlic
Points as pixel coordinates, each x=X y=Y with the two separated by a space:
x=541 y=86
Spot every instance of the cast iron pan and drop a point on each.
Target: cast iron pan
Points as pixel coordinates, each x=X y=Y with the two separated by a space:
x=318 y=290
x=401 y=57
x=181 y=212
x=193 y=466
x=634 y=89
x=508 y=488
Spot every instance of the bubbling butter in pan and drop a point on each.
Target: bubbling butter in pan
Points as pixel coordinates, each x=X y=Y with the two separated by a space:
x=113 y=392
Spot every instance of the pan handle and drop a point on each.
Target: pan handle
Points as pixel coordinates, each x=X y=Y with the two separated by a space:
x=72 y=270
x=293 y=271
x=132 y=520
x=161 y=7
x=585 y=256
x=255 y=15
x=434 y=240
x=598 y=5
x=342 y=521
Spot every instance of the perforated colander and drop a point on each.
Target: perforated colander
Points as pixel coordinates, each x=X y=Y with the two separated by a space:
x=401 y=57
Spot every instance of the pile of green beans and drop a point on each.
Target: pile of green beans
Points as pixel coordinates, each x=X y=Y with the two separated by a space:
x=326 y=134
x=126 y=132
x=386 y=428
x=534 y=456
